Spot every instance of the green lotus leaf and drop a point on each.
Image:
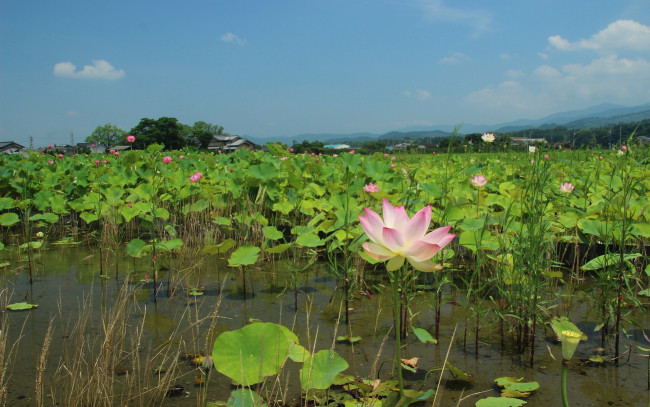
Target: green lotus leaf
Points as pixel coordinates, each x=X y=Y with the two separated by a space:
x=249 y=354
x=8 y=219
x=220 y=248
x=500 y=402
x=272 y=233
x=21 y=306
x=424 y=336
x=244 y=256
x=319 y=371
x=244 y=397
x=137 y=248
x=514 y=384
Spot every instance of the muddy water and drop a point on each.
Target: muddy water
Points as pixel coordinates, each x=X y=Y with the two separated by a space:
x=68 y=286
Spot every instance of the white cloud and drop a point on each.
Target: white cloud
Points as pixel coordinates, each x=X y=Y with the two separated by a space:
x=230 y=37
x=514 y=73
x=619 y=35
x=547 y=73
x=100 y=69
x=455 y=58
x=542 y=55
x=437 y=10
x=418 y=94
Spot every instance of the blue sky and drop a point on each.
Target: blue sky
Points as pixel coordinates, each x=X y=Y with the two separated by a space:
x=282 y=68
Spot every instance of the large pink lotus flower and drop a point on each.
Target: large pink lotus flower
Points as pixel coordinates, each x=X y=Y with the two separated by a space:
x=397 y=238
x=130 y=138
x=167 y=159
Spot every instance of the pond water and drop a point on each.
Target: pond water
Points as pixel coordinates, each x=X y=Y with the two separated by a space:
x=81 y=305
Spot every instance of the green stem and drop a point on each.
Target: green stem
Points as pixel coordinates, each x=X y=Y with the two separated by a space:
x=398 y=331
x=565 y=399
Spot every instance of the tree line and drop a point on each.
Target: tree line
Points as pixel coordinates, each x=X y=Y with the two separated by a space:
x=165 y=130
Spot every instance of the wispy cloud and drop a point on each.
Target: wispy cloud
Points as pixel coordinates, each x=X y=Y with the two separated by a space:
x=619 y=35
x=234 y=38
x=100 y=69
x=481 y=20
x=455 y=58
x=418 y=94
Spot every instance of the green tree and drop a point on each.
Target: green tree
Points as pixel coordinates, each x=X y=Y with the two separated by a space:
x=108 y=134
x=201 y=133
x=166 y=130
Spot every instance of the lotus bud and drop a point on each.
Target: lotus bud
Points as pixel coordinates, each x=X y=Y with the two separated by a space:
x=570 y=340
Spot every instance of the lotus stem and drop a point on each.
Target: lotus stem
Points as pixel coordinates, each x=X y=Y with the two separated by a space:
x=396 y=321
x=565 y=399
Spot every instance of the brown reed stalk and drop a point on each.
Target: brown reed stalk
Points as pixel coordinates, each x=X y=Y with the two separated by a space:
x=42 y=364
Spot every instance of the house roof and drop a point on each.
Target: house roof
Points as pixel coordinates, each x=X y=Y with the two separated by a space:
x=8 y=145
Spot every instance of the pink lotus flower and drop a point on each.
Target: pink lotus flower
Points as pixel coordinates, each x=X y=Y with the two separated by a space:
x=393 y=158
x=116 y=154
x=385 y=155
x=167 y=160
x=291 y=150
x=392 y=166
x=195 y=177
x=623 y=148
x=488 y=137
x=478 y=181
x=50 y=162
x=566 y=188
x=60 y=155
x=97 y=162
x=313 y=154
x=130 y=138
x=219 y=151
x=49 y=146
x=283 y=158
x=92 y=145
x=397 y=238
x=351 y=151
x=546 y=156
x=371 y=188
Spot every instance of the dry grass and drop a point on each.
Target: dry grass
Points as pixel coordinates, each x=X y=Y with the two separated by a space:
x=8 y=351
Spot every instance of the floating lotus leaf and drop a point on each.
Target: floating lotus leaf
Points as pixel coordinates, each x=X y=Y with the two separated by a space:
x=514 y=384
x=457 y=373
x=500 y=402
x=346 y=338
x=319 y=371
x=21 y=306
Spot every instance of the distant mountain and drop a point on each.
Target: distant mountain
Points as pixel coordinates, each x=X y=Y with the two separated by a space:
x=594 y=116
x=601 y=115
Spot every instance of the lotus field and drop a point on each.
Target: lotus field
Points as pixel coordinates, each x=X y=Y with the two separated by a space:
x=287 y=278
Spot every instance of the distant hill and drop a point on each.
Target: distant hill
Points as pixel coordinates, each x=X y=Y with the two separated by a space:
x=606 y=114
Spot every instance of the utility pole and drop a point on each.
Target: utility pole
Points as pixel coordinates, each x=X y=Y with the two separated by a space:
x=31 y=142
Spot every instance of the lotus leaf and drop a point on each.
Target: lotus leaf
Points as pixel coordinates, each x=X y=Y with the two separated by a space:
x=8 y=219
x=319 y=371
x=251 y=353
x=515 y=384
x=21 y=306
x=244 y=256
x=424 y=336
x=500 y=402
